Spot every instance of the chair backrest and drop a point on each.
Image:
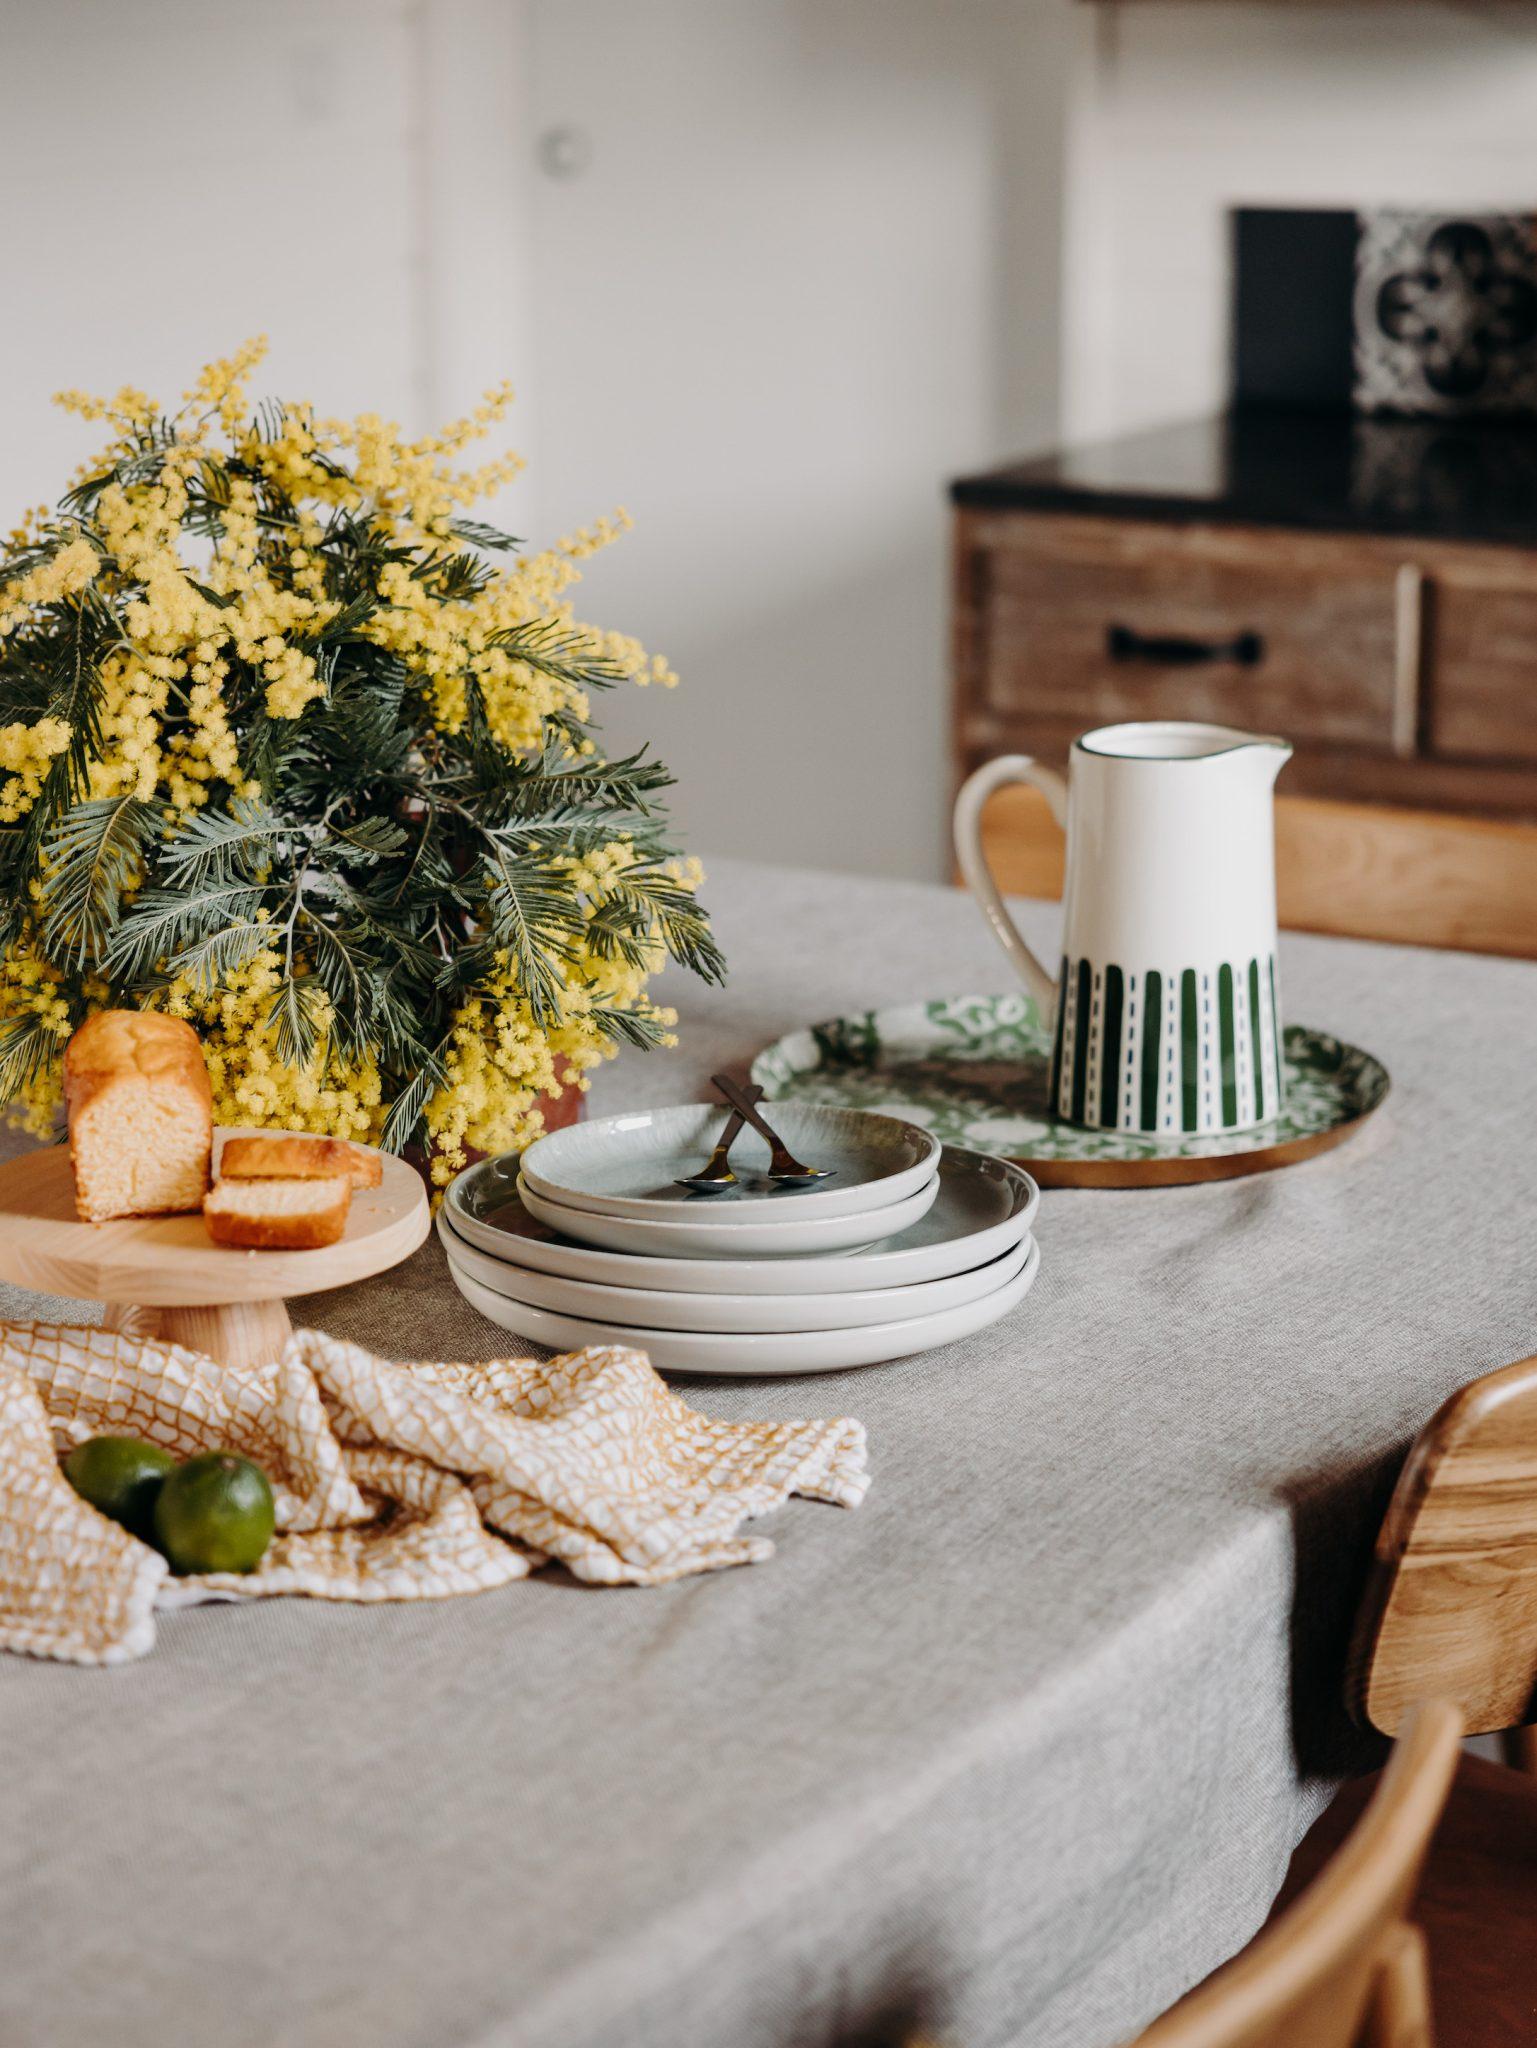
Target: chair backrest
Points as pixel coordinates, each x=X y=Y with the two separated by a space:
x=1450 y=1611
x=1342 y=1967
x=1366 y=871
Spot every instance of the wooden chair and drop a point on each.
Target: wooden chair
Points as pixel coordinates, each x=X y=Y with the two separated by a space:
x=1343 y=1968
x=1449 y=1615
x=1417 y=878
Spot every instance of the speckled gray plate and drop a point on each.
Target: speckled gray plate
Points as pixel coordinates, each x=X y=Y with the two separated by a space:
x=769 y=1351
x=983 y=1208
x=631 y=1165
x=974 y=1069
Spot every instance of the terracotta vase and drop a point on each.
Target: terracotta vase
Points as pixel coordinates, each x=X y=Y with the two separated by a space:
x=564 y=1109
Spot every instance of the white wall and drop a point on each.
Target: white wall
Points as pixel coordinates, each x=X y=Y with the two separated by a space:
x=1181 y=111
x=183 y=174
x=772 y=321
x=811 y=270
x=809 y=274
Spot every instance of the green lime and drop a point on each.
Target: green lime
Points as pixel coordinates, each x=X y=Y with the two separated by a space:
x=215 y=1514
x=122 y=1477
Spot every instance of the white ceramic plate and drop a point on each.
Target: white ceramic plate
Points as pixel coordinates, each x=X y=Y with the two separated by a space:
x=984 y=1206
x=744 y=1313
x=704 y=1236
x=630 y=1165
x=783 y=1352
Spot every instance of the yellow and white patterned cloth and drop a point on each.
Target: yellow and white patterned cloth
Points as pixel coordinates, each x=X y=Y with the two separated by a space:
x=393 y=1482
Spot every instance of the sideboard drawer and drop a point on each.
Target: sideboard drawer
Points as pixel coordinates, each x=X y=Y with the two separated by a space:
x=1078 y=623
x=1483 y=670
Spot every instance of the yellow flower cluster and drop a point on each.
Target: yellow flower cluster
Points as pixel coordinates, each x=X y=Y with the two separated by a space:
x=68 y=571
x=499 y=1062
x=273 y=610
x=31 y=991
x=263 y=613
x=409 y=480
x=218 y=598
x=221 y=386
x=130 y=408
x=133 y=701
x=25 y=751
x=251 y=1085
x=450 y=641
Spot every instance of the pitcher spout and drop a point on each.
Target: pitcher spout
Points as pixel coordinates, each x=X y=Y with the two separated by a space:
x=1266 y=755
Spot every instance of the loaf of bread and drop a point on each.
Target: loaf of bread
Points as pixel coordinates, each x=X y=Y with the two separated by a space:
x=140 y=1115
x=293 y=1157
x=278 y=1215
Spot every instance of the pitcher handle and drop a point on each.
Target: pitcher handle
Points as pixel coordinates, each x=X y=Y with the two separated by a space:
x=974 y=793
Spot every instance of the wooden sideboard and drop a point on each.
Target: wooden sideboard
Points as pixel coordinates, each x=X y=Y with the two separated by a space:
x=1403 y=670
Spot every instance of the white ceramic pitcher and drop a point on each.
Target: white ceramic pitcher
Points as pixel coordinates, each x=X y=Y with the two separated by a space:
x=1166 y=1012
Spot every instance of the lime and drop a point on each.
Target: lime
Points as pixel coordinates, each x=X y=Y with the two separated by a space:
x=215 y=1514
x=122 y=1477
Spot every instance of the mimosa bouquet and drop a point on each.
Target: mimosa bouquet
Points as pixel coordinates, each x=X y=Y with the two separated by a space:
x=292 y=747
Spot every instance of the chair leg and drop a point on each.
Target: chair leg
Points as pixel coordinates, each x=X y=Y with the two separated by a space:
x=1519 y=1747
x=1399 y=2015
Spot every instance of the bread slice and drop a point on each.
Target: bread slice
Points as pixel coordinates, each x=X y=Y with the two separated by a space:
x=140 y=1115
x=292 y=1157
x=278 y=1215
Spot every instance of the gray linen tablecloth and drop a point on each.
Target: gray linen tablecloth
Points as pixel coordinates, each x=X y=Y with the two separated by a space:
x=1012 y=1754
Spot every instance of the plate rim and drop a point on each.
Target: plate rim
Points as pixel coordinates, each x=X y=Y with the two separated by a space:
x=459 y=1250
x=756 y=1273
x=824 y=1233
x=1016 y=1288
x=845 y=1200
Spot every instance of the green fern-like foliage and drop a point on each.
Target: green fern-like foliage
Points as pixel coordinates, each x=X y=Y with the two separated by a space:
x=292 y=747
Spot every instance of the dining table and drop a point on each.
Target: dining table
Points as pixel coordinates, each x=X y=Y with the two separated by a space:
x=1012 y=1753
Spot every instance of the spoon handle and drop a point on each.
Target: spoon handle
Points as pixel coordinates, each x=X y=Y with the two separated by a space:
x=742 y=1103
x=715 y=1176
x=716 y=1163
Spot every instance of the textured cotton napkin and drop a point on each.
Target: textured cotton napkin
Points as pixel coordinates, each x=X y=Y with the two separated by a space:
x=392 y=1482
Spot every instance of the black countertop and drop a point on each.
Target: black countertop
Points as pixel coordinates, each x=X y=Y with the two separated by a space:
x=1340 y=472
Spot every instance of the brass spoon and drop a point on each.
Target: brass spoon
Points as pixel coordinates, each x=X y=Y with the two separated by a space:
x=782 y=1167
x=716 y=1175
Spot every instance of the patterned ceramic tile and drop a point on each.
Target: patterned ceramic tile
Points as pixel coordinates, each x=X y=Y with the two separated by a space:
x=1446 y=313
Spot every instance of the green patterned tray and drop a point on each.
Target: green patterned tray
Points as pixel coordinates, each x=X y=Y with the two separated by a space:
x=973 y=1070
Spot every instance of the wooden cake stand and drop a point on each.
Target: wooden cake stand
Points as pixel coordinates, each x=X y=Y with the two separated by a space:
x=160 y=1276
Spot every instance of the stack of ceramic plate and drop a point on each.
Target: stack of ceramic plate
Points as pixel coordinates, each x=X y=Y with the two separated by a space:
x=590 y=1239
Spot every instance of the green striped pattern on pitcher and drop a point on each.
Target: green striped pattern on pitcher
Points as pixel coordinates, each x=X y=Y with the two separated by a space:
x=1168 y=1051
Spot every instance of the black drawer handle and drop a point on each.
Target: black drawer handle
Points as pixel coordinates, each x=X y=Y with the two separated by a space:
x=1172 y=650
